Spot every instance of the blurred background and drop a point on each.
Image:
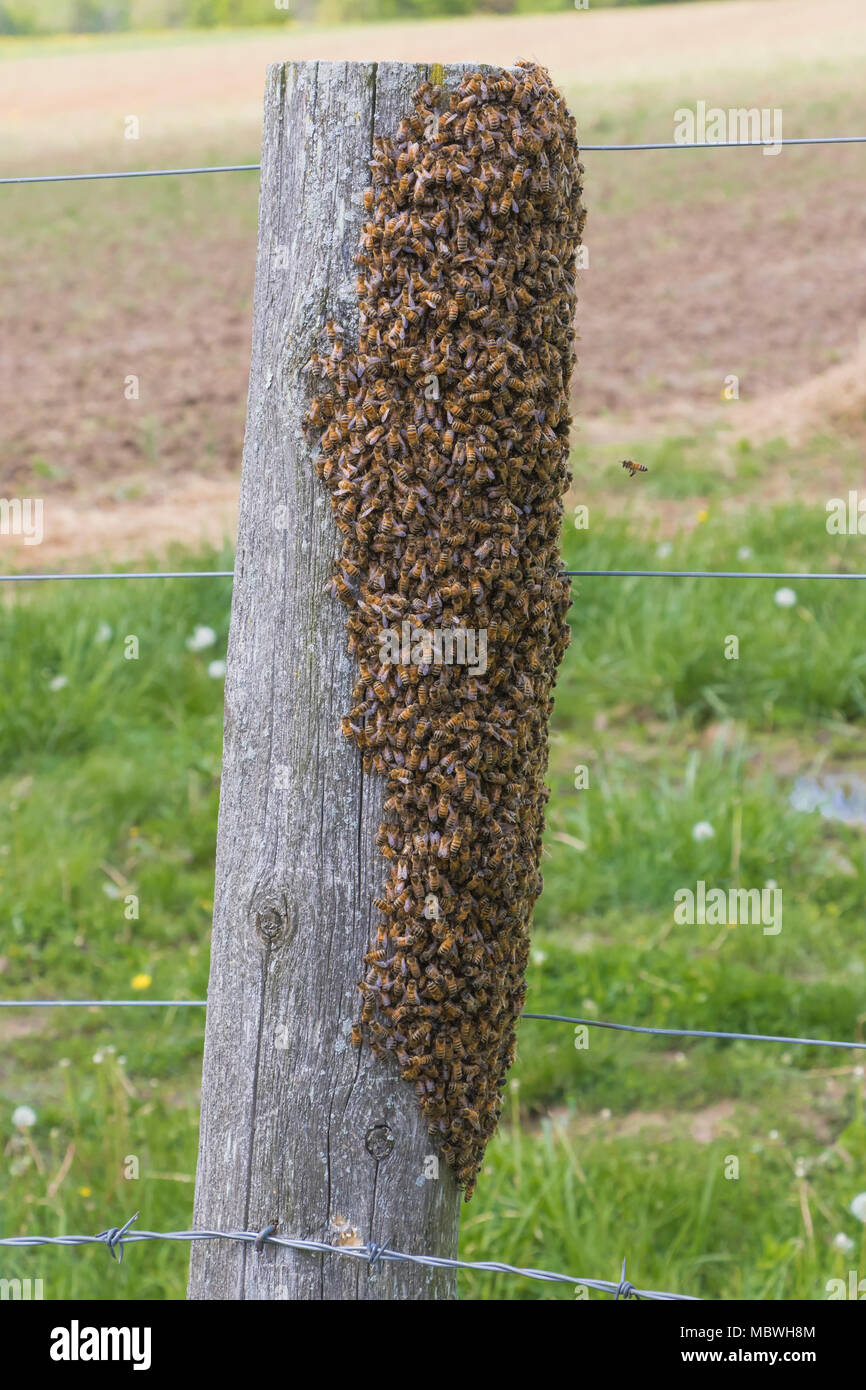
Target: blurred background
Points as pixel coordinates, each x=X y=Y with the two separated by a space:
x=721 y=320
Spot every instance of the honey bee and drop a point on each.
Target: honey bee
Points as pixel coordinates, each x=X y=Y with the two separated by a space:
x=443 y=448
x=413 y=1070
x=634 y=467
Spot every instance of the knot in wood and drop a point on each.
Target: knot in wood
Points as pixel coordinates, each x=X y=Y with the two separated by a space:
x=271 y=916
x=379 y=1142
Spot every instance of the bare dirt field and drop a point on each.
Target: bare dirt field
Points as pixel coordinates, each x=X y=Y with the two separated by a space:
x=696 y=272
x=210 y=81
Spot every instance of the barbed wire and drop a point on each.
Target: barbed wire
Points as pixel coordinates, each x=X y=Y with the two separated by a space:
x=555 y=1018
x=584 y=149
x=570 y=574
x=116 y=1238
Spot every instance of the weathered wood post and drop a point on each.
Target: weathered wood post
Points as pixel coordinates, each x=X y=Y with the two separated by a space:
x=298 y=1128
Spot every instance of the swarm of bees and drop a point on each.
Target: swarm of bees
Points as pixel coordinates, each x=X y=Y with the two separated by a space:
x=444 y=443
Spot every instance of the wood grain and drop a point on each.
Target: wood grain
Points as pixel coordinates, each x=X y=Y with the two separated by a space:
x=288 y=1105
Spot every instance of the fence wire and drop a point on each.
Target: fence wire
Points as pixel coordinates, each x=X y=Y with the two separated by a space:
x=553 y=1018
x=116 y=1238
x=125 y=574
x=128 y=174
x=569 y=574
x=584 y=149
x=695 y=1032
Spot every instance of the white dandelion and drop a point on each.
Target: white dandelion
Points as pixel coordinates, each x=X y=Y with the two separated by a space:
x=858 y=1206
x=201 y=638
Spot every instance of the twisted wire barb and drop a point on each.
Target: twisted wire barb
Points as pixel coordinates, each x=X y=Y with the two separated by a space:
x=118 y=1237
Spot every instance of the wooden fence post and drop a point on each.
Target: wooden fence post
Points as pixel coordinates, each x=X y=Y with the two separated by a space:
x=298 y=1128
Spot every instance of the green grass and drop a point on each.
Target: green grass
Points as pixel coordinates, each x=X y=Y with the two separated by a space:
x=109 y=794
x=668 y=657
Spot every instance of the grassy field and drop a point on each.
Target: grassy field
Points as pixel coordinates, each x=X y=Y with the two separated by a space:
x=110 y=785
x=109 y=768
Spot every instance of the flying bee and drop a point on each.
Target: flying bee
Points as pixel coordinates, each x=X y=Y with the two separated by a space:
x=634 y=467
